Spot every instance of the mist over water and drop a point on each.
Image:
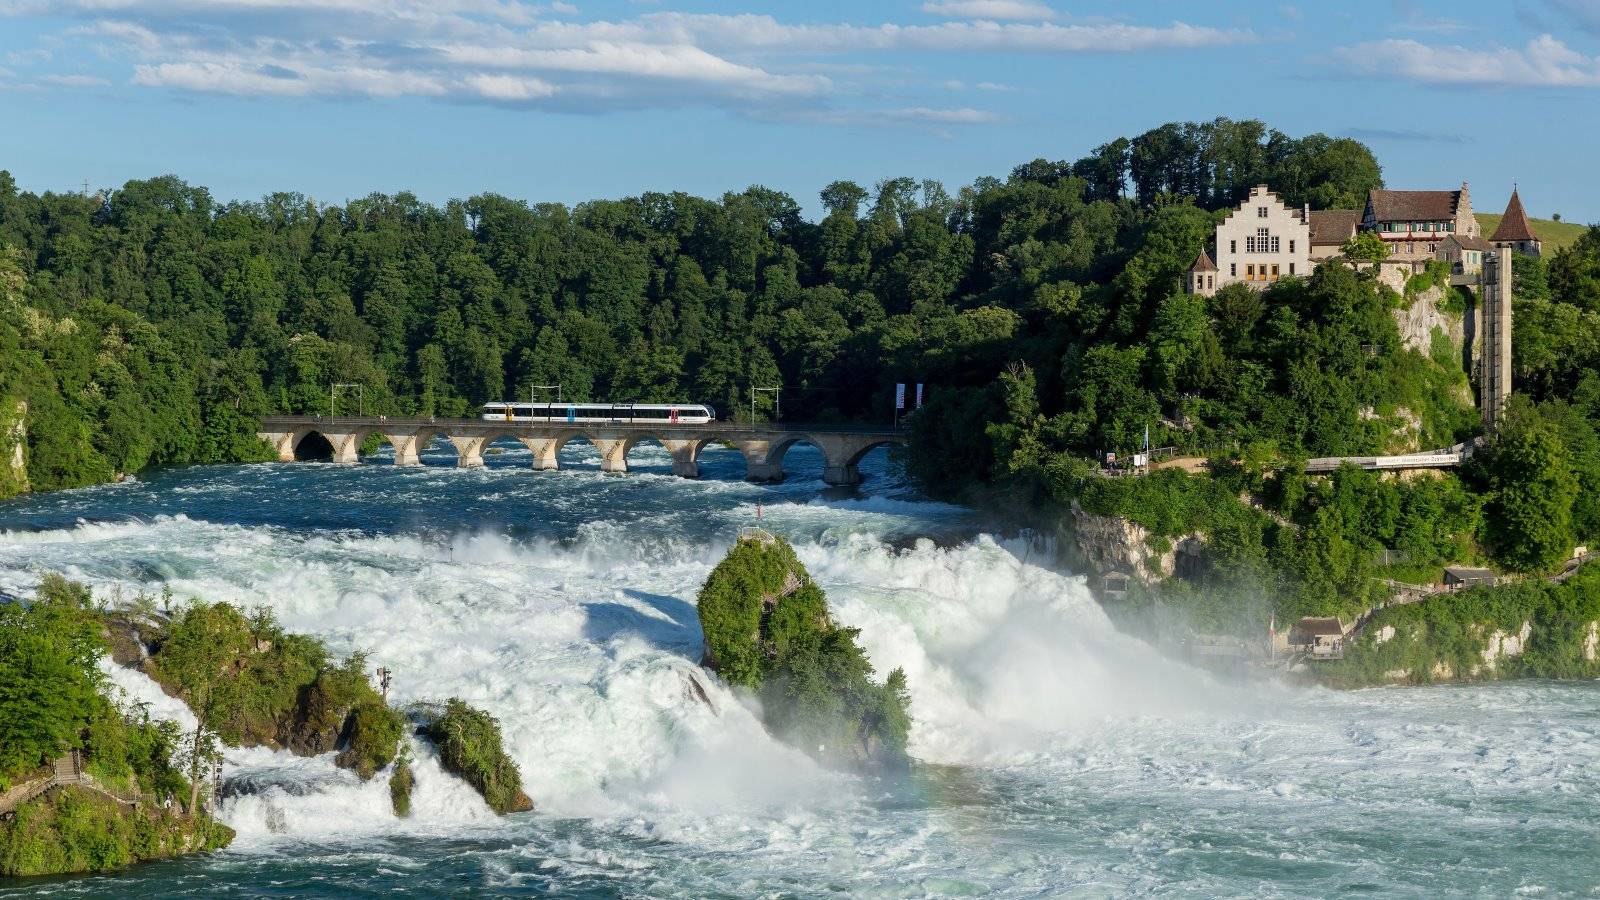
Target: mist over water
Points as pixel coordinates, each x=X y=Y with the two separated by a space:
x=1062 y=757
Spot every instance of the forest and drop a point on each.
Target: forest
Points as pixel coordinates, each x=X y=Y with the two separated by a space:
x=153 y=324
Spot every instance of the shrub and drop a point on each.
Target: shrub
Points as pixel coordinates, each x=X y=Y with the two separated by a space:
x=767 y=628
x=470 y=746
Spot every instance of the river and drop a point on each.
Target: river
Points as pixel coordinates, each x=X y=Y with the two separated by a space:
x=1059 y=756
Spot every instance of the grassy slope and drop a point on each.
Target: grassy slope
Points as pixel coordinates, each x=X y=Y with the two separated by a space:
x=1555 y=235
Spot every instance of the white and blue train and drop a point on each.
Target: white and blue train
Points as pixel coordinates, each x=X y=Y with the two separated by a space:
x=603 y=413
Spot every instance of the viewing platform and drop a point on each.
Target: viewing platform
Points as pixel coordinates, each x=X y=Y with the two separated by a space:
x=762 y=445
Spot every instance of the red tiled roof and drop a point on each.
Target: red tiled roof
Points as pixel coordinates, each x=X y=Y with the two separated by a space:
x=1514 y=225
x=1414 y=206
x=1333 y=226
x=1203 y=263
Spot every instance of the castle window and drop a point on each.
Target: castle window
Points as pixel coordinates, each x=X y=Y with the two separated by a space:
x=1274 y=273
x=1211 y=281
x=1261 y=212
x=1250 y=272
x=1291 y=245
x=1233 y=246
x=1274 y=245
x=1233 y=270
x=1291 y=268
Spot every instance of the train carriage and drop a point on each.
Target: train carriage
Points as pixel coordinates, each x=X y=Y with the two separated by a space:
x=601 y=413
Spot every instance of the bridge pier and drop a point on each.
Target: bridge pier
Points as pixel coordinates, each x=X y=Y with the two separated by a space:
x=841 y=476
x=758 y=461
x=544 y=453
x=406 y=449
x=685 y=457
x=346 y=446
x=613 y=454
x=469 y=451
x=282 y=444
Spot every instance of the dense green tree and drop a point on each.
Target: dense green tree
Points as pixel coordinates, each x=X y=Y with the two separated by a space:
x=1529 y=522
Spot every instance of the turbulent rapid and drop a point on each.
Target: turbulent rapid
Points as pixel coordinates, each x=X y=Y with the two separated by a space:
x=1059 y=757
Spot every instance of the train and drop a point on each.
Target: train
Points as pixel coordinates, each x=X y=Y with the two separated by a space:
x=604 y=413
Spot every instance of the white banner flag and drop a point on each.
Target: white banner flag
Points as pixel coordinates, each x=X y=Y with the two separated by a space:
x=899 y=396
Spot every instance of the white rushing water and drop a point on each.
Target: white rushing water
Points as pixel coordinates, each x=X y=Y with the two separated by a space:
x=1068 y=758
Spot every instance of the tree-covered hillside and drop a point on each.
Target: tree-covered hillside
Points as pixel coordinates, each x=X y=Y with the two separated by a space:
x=1044 y=311
x=153 y=323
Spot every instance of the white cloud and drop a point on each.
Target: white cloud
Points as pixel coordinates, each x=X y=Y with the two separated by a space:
x=760 y=32
x=1544 y=62
x=676 y=62
x=989 y=9
x=245 y=78
x=74 y=81
x=963 y=116
x=510 y=88
x=523 y=53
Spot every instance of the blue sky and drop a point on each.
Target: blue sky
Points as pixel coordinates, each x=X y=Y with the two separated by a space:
x=567 y=101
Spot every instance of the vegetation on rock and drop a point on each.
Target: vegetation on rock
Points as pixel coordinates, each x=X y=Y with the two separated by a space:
x=470 y=746
x=1448 y=637
x=71 y=830
x=401 y=782
x=54 y=700
x=250 y=683
x=767 y=628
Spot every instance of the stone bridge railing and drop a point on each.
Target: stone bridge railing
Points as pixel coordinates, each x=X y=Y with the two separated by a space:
x=763 y=446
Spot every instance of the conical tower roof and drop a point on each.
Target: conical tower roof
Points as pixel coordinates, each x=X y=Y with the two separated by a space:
x=1203 y=263
x=1514 y=225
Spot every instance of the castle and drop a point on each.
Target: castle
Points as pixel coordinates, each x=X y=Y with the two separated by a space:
x=1265 y=240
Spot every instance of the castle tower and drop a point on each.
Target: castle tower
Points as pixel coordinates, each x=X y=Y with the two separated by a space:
x=1515 y=232
x=1494 y=381
x=1203 y=276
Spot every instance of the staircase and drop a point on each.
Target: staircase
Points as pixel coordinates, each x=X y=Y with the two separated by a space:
x=66 y=770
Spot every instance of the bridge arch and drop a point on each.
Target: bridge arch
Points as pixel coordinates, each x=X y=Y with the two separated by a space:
x=779 y=450
x=684 y=452
x=613 y=451
x=320 y=443
x=857 y=456
x=311 y=446
x=365 y=438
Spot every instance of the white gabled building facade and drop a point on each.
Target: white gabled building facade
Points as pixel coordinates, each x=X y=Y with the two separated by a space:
x=1260 y=243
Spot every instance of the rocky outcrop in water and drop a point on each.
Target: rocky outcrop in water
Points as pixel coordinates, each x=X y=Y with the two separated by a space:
x=471 y=747
x=290 y=697
x=767 y=630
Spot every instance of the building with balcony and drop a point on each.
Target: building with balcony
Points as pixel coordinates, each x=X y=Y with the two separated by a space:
x=1415 y=223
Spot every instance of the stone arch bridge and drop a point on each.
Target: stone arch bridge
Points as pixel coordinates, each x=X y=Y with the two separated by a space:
x=763 y=446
